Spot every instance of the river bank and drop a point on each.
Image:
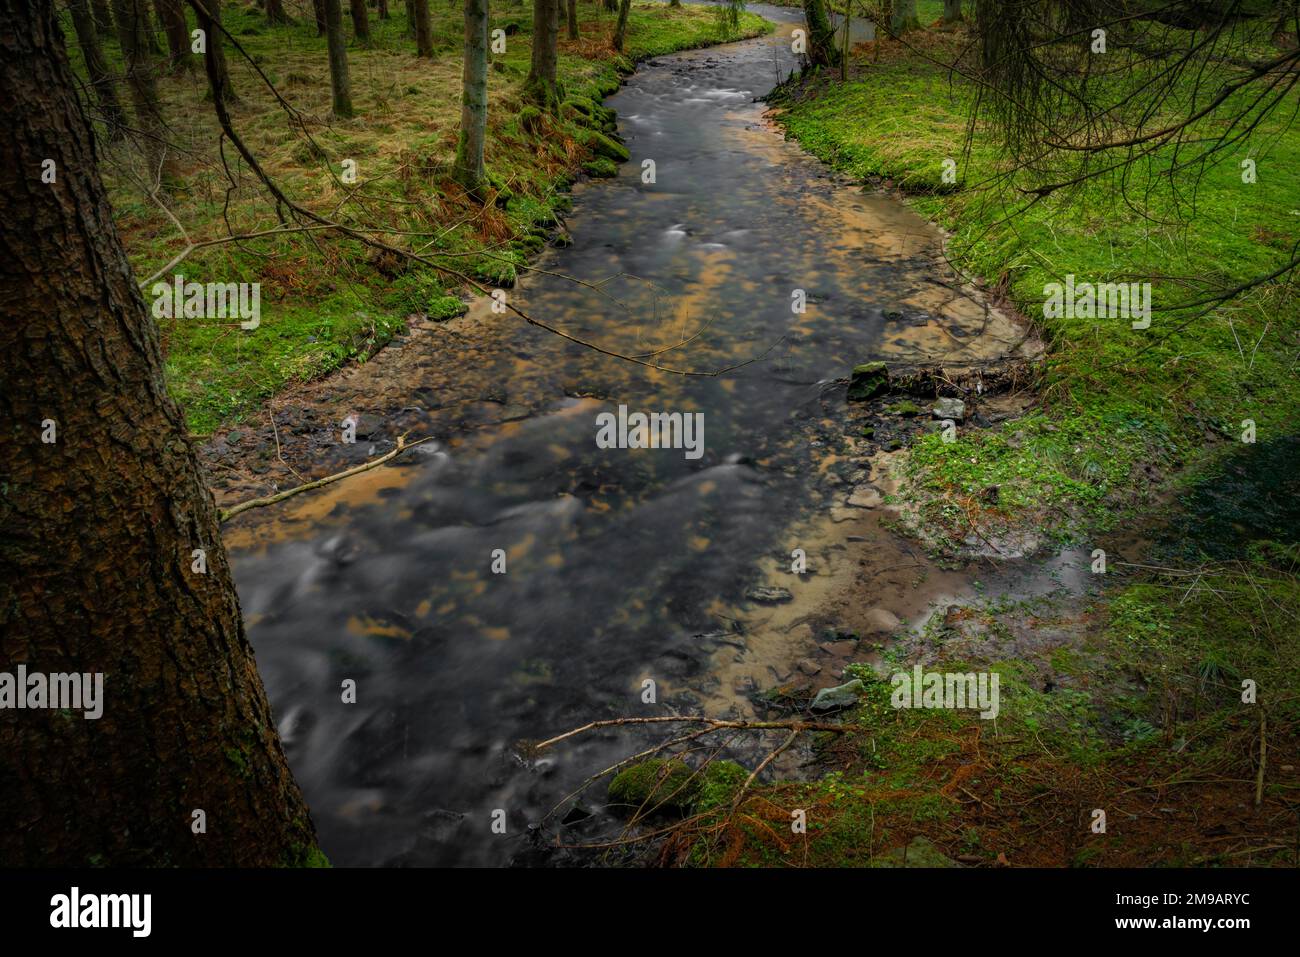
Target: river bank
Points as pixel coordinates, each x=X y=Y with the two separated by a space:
x=1128 y=734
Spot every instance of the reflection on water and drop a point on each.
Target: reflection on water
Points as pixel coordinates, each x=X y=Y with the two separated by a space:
x=616 y=561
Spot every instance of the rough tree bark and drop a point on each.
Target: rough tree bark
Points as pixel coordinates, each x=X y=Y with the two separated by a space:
x=99 y=528
x=821 y=35
x=172 y=15
x=340 y=82
x=539 y=86
x=423 y=28
x=468 y=170
x=381 y=9
x=318 y=10
x=903 y=17
x=952 y=11
x=620 y=27
x=276 y=14
x=101 y=80
x=572 y=9
x=360 y=21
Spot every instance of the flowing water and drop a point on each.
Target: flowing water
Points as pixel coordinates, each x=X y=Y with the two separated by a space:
x=622 y=565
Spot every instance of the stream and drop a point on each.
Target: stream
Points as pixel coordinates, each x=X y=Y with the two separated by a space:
x=620 y=565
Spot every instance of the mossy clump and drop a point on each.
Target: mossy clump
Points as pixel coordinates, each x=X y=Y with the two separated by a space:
x=602 y=145
x=722 y=780
x=600 y=168
x=530 y=120
x=656 y=785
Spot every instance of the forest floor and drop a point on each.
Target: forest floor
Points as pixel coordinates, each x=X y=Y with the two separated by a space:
x=326 y=302
x=1122 y=694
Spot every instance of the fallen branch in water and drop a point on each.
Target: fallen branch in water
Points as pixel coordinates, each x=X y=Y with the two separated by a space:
x=234 y=510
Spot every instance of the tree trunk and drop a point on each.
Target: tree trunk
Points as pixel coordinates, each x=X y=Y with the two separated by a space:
x=620 y=28
x=609 y=5
x=952 y=11
x=216 y=43
x=101 y=81
x=539 y=86
x=360 y=22
x=103 y=17
x=847 y=27
x=382 y=9
x=96 y=567
x=151 y=135
x=821 y=36
x=903 y=17
x=340 y=83
x=473 y=109
x=423 y=28
x=318 y=8
x=177 y=29
x=276 y=14
x=573 y=19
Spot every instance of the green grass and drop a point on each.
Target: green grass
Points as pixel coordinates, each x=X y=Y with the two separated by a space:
x=1117 y=400
x=325 y=301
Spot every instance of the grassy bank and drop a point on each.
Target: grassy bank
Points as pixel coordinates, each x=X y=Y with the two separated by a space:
x=1132 y=701
x=324 y=301
x=1121 y=408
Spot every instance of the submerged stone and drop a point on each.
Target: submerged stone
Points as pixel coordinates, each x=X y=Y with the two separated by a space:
x=947 y=408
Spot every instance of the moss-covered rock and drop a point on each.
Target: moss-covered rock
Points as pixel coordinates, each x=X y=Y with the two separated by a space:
x=868 y=381
x=602 y=145
x=600 y=167
x=657 y=785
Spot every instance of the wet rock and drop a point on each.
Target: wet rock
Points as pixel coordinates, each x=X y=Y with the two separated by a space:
x=368 y=426
x=865 y=496
x=868 y=381
x=882 y=621
x=655 y=785
x=769 y=596
x=809 y=667
x=841 y=696
x=577 y=814
x=948 y=408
